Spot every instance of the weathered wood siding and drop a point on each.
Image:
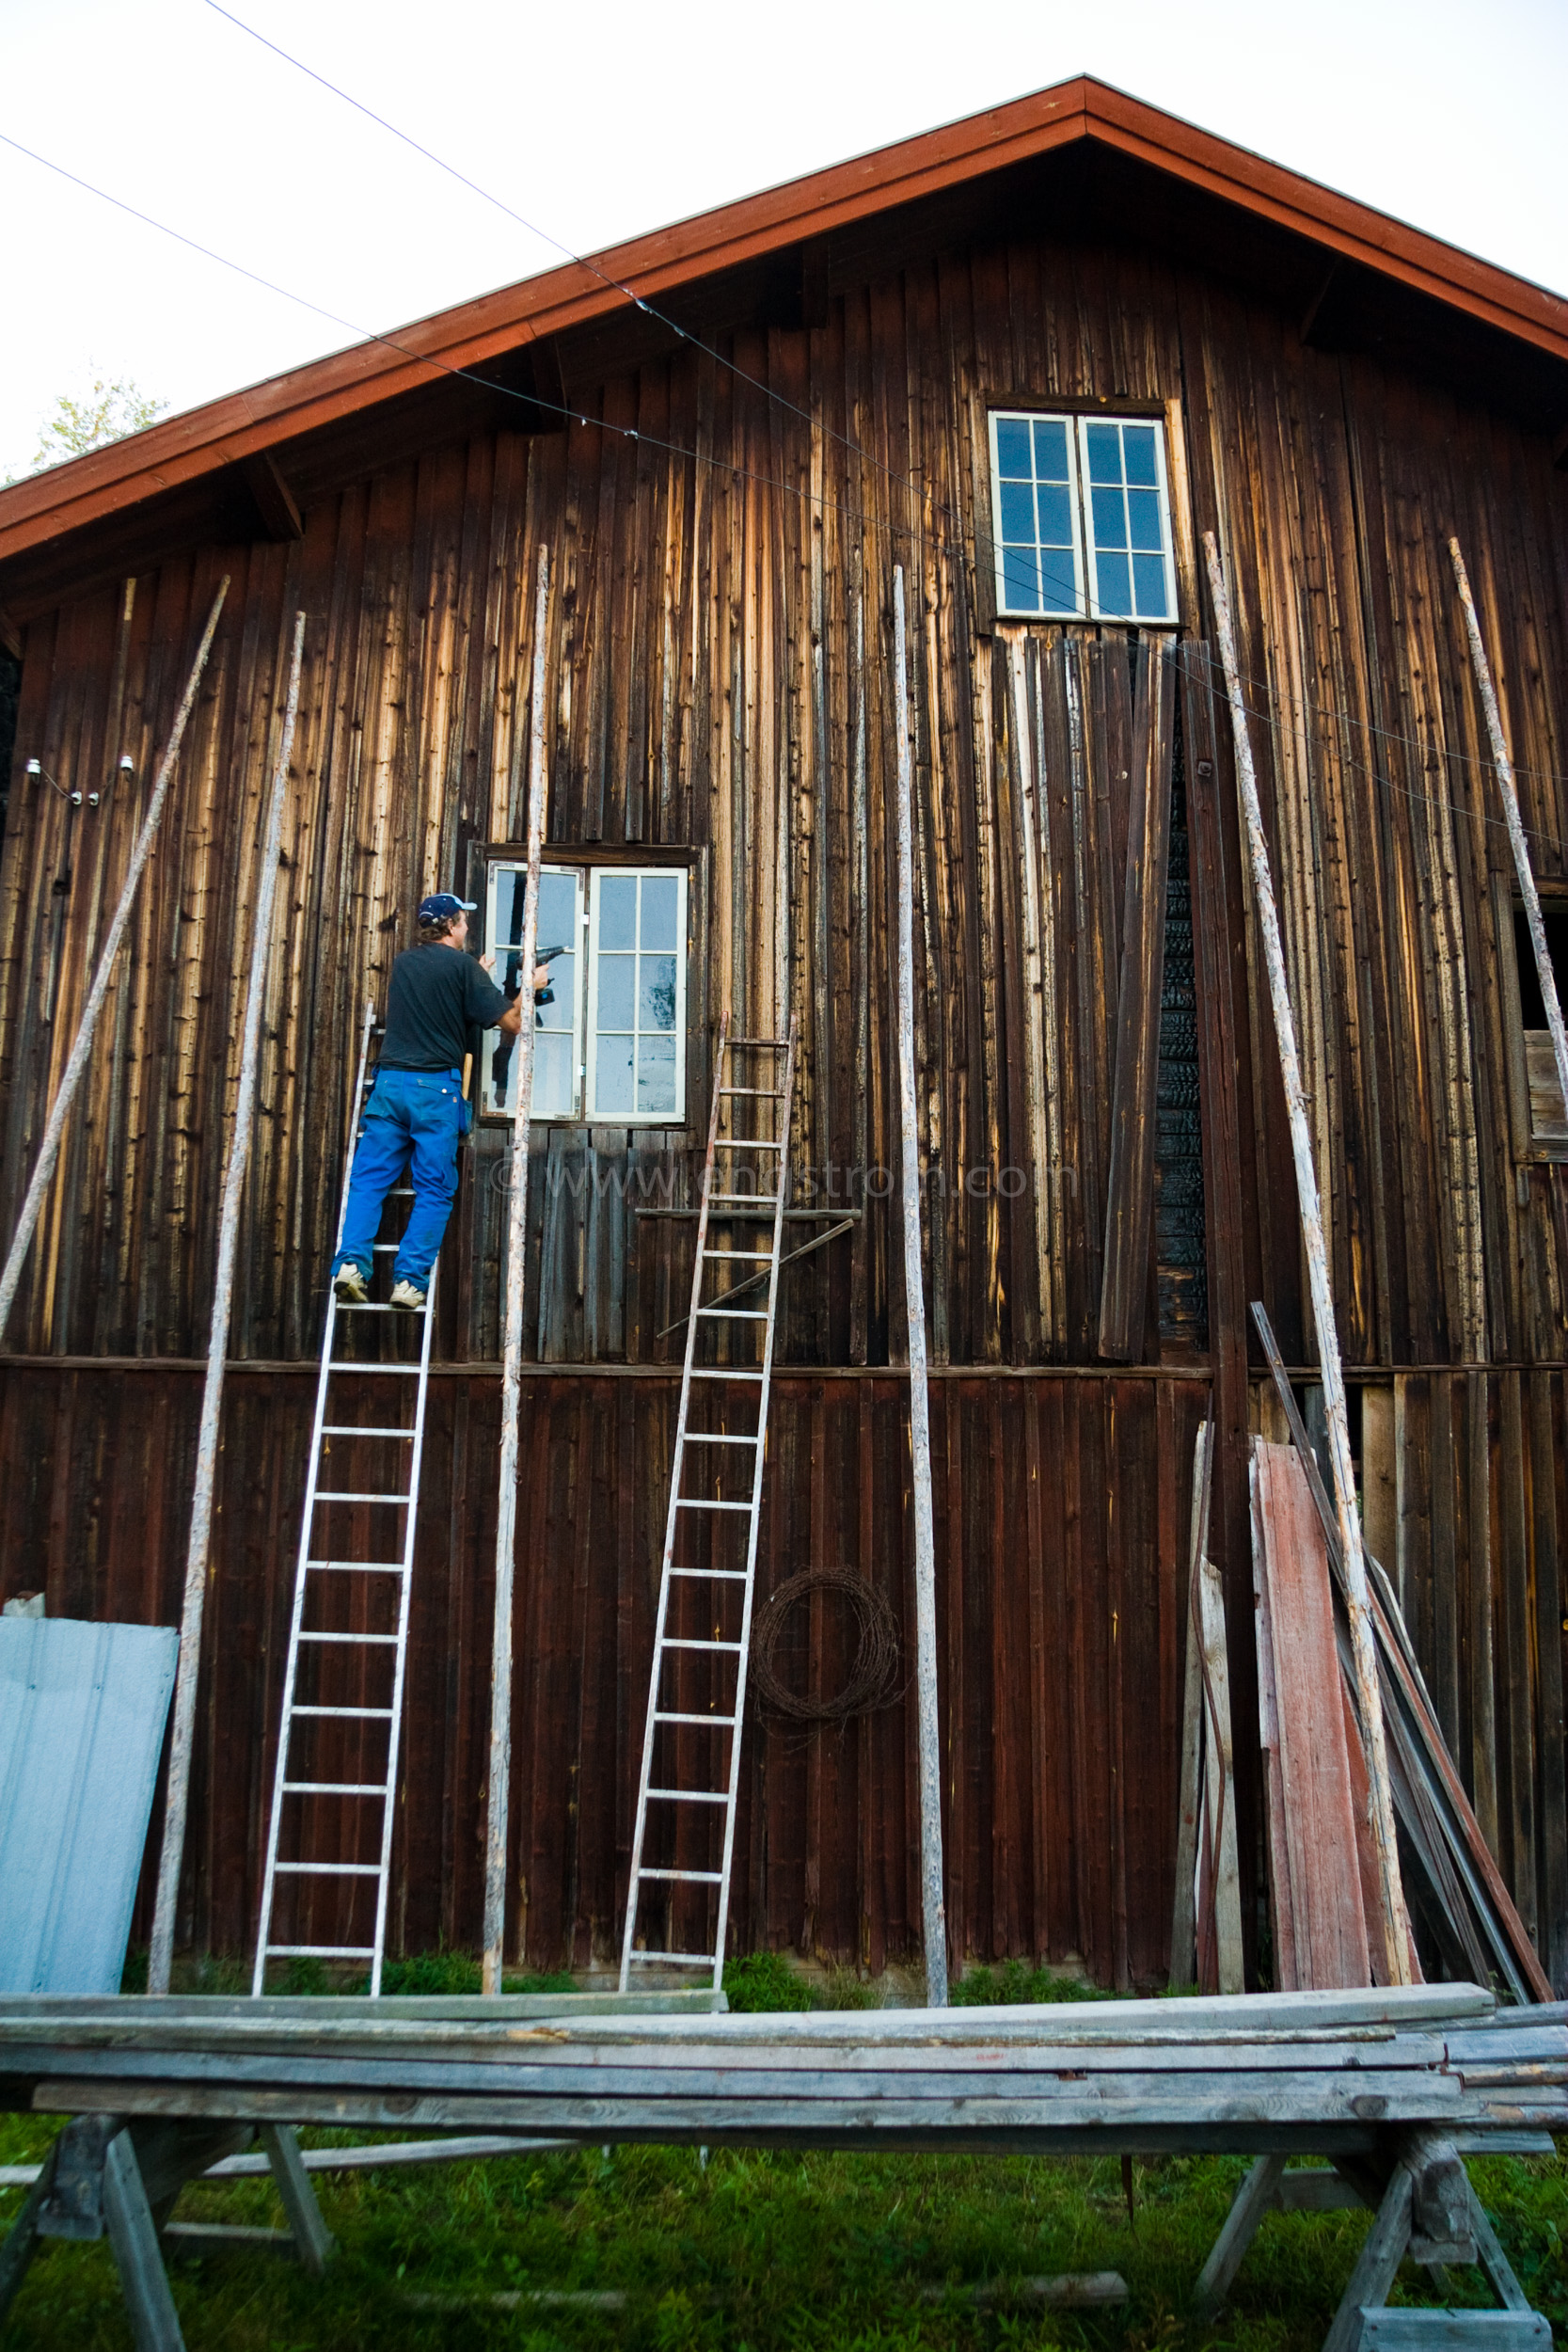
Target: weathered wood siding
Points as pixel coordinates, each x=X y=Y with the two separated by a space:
x=719 y=678
x=1058 y=1503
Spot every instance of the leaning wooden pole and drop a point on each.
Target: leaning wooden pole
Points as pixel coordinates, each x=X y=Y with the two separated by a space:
x=1396 y=1934
x=49 y=1150
x=933 y=1901
x=1506 y=786
x=516 y=1239
x=199 y=1546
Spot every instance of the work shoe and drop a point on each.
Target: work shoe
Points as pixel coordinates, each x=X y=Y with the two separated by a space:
x=348 y=1284
x=409 y=1296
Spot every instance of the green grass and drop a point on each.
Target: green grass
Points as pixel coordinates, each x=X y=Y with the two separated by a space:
x=761 y=2251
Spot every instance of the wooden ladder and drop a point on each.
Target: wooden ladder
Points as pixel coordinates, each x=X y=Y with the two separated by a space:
x=727 y=1208
x=298 y=1793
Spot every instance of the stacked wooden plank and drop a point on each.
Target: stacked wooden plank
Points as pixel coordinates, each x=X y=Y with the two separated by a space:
x=1320 y=1922
x=1452 y=1878
x=1312 y=2071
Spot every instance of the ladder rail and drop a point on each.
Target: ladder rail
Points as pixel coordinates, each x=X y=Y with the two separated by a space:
x=651 y=1726
x=663 y=1642
x=748 y=1594
x=307 y=1516
x=399 y=1662
x=285 y=1785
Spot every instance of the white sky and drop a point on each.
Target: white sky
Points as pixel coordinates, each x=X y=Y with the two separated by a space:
x=599 y=121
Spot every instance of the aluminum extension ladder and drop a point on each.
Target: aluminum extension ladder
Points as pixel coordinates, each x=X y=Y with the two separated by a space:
x=727 y=1208
x=316 y=1575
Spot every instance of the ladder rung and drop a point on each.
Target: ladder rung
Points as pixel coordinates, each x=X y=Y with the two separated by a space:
x=645 y=1960
x=702 y=1372
x=735 y=1314
x=342 y=1494
x=387 y=1248
x=714 y=1723
x=725 y=1576
x=334 y=1788
x=694 y=1502
x=691 y=1796
x=353 y=1429
x=750 y=1201
x=330 y=1869
x=321 y=1951
x=368 y=1307
x=752 y=1257
x=390 y=1637
x=670 y=1641
x=773 y=1044
x=401 y=1192
x=375 y=1372
x=371 y=1714
x=715 y=1437
x=696 y=1878
x=362 y=1568
x=772 y=1094
x=745 y=1143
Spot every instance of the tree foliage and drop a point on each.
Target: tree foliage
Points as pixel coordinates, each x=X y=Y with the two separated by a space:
x=111 y=408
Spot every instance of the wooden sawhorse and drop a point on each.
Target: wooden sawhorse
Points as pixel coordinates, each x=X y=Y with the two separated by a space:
x=1426 y=2208
x=105 y=2173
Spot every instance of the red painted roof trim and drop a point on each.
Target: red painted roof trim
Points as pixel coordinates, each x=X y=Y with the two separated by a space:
x=183 y=449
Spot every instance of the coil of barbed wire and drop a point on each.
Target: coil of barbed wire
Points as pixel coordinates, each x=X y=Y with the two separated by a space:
x=872 y=1676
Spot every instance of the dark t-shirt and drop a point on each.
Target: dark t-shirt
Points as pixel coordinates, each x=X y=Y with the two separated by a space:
x=437 y=995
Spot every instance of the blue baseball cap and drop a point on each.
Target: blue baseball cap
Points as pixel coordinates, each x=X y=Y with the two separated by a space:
x=440 y=904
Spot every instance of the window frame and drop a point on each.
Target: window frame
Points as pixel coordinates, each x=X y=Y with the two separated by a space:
x=494 y=869
x=1077 y=417
x=1531 y=1148
x=592 y=1115
x=586 y=858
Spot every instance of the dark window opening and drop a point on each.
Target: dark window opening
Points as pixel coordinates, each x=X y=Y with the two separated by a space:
x=1179 y=1235
x=1554 y=918
x=10 y=696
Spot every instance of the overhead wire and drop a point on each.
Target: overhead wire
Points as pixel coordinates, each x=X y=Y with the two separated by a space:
x=867 y=519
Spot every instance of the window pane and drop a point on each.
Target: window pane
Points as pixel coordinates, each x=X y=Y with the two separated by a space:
x=1012 y=449
x=1149 y=574
x=617 y=910
x=552 y=1074
x=1143 y=514
x=1018 y=513
x=1110 y=519
x=615 y=1084
x=662 y=907
x=1060 y=589
x=1115 y=589
x=656 y=1075
x=1138 y=447
x=511 y=885
x=558 y=906
x=656 y=995
x=1104 y=448
x=1050 y=449
x=1056 y=517
x=616 y=992
x=1021 y=580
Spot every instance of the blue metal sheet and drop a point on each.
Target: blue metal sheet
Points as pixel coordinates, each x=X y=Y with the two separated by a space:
x=82 y=1714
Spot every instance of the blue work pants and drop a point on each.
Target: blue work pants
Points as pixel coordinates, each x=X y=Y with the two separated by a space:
x=413 y=1118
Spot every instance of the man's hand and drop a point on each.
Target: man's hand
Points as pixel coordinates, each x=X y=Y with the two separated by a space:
x=487 y=963
x=540 y=976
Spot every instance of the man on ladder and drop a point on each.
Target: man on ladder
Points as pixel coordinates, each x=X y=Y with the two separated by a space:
x=417 y=1112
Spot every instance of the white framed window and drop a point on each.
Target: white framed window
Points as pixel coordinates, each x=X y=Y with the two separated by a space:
x=611 y=1049
x=1081 y=518
x=637 y=995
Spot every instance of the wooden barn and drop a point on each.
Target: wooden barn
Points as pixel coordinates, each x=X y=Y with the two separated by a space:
x=1032 y=359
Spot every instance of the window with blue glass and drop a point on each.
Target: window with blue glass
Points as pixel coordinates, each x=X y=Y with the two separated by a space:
x=1081 y=509
x=609 y=1047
